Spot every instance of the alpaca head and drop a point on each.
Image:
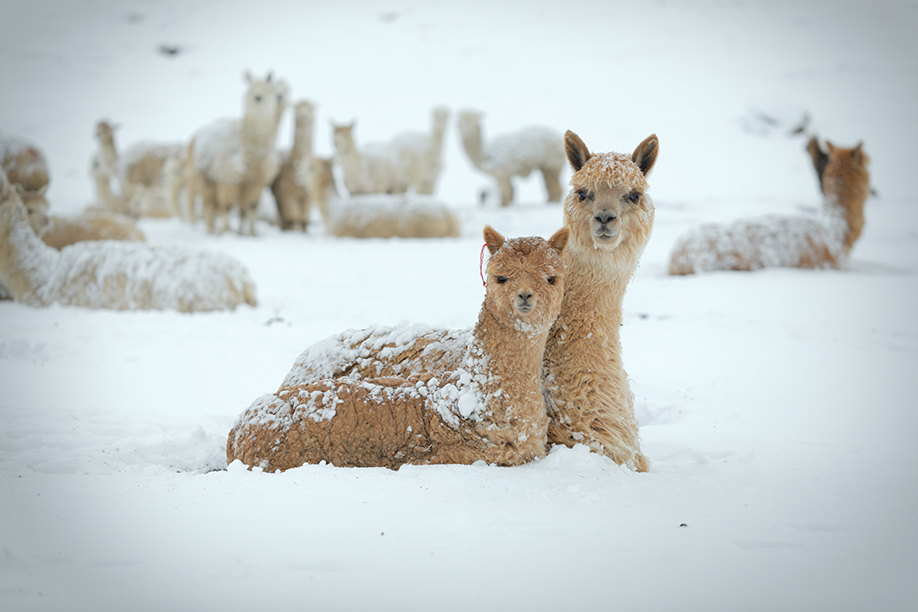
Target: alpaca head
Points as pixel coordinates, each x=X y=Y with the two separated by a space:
x=525 y=279
x=303 y=112
x=343 y=137
x=105 y=131
x=846 y=186
x=608 y=206
x=261 y=98
x=36 y=207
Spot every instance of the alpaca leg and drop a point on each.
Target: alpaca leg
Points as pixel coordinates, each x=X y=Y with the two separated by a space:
x=552 y=183
x=506 y=190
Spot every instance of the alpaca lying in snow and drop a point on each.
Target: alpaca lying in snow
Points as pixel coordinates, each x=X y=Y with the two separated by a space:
x=610 y=217
x=27 y=169
x=230 y=161
x=793 y=241
x=514 y=154
x=488 y=407
x=90 y=225
x=110 y=274
x=375 y=215
x=374 y=168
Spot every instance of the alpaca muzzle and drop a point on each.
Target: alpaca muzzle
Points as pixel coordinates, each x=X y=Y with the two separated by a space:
x=524 y=301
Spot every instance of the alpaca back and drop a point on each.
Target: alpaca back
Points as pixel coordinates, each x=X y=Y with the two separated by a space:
x=98 y=225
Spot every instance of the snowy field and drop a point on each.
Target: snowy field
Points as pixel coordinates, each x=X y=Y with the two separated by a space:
x=777 y=407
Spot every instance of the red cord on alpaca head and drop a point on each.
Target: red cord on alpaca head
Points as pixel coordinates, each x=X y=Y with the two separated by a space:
x=481 y=265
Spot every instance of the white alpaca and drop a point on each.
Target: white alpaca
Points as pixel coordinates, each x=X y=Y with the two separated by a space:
x=290 y=195
x=111 y=274
x=375 y=215
x=374 y=168
x=420 y=153
x=514 y=154
x=233 y=160
x=103 y=167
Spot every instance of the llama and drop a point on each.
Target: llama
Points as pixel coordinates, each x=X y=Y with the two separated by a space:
x=27 y=169
x=420 y=154
x=375 y=215
x=610 y=217
x=793 y=241
x=291 y=197
x=375 y=168
x=514 y=154
x=231 y=161
x=488 y=408
x=90 y=225
x=111 y=274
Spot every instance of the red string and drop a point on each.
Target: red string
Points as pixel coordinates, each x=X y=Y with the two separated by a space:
x=481 y=265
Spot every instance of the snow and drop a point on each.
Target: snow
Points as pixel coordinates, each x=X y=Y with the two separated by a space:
x=776 y=407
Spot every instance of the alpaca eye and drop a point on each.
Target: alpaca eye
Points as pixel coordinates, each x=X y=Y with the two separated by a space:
x=551 y=280
x=501 y=279
x=258 y=98
x=582 y=195
x=634 y=197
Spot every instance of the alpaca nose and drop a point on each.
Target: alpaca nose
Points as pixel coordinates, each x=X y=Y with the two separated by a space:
x=605 y=216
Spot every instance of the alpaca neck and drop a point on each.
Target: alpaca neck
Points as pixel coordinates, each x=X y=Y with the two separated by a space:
x=108 y=155
x=512 y=358
x=471 y=142
x=844 y=207
x=437 y=132
x=258 y=134
x=25 y=261
x=302 y=141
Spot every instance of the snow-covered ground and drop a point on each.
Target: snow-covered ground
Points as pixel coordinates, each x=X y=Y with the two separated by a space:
x=777 y=408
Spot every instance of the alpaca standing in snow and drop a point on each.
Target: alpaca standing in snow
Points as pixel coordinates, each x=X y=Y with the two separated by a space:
x=489 y=408
x=27 y=170
x=291 y=197
x=610 y=217
x=514 y=154
x=792 y=241
x=110 y=274
x=103 y=167
x=231 y=161
x=90 y=225
x=375 y=168
x=375 y=215
x=420 y=153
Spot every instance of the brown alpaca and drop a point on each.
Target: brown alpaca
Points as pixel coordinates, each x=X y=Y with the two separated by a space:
x=610 y=217
x=791 y=241
x=488 y=408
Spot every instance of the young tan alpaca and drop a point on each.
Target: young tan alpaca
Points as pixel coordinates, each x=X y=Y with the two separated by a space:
x=514 y=154
x=290 y=195
x=792 y=241
x=113 y=274
x=488 y=408
x=90 y=225
x=610 y=217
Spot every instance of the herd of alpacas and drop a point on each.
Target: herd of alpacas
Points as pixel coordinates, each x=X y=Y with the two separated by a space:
x=541 y=366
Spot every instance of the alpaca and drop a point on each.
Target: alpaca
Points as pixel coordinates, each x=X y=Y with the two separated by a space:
x=231 y=161
x=27 y=169
x=375 y=215
x=147 y=187
x=610 y=217
x=375 y=168
x=90 y=225
x=420 y=154
x=514 y=154
x=291 y=197
x=103 y=167
x=489 y=408
x=111 y=274
x=793 y=241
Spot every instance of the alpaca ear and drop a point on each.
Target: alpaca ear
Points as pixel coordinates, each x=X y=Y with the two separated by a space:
x=830 y=147
x=577 y=152
x=248 y=77
x=41 y=192
x=857 y=152
x=270 y=76
x=645 y=155
x=559 y=240
x=493 y=239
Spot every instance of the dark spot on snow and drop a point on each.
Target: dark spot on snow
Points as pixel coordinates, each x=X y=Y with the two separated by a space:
x=683 y=525
x=273 y=320
x=389 y=17
x=169 y=50
x=133 y=18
